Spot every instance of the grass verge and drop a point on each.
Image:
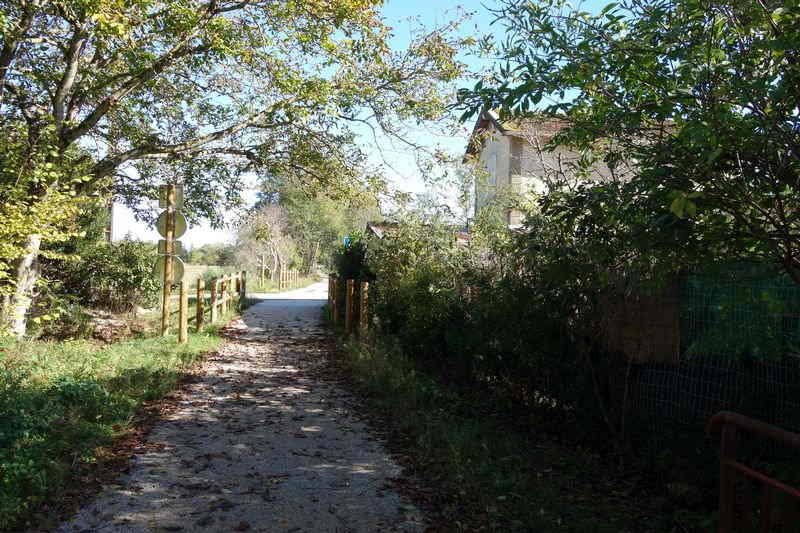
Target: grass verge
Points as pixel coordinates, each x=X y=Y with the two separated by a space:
x=61 y=401
x=492 y=471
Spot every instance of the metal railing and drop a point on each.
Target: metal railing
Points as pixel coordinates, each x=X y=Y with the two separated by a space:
x=735 y=506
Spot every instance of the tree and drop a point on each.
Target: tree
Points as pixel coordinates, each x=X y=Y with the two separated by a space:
x=38 y=207
x=201 y=91
x=318 y=223
x=263 y=234
x=213 y=254
x=701 y=95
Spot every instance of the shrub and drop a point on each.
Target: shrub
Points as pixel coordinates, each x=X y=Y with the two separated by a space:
x=116 y=277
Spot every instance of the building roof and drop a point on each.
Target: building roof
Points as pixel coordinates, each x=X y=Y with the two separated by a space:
x=535 y=126
x=379 y=229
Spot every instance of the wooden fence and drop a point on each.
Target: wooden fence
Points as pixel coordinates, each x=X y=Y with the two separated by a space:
x=224 y=293
x=354 y=316
x=288 y=279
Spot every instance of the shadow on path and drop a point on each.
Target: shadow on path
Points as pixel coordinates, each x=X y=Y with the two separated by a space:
x=259 y=443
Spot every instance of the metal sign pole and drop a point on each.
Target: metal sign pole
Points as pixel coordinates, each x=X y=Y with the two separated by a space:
x=169 y=237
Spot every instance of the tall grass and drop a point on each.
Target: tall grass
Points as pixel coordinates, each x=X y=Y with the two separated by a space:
x=502 y=475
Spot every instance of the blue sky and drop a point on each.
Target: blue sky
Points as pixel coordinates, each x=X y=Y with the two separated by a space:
x=401 y=15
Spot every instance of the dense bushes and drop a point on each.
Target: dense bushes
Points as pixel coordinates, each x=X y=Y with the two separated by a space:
x=113 y=276
x=521 y=312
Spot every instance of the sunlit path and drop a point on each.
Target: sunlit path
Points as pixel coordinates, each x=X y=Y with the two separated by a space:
x=261 y=442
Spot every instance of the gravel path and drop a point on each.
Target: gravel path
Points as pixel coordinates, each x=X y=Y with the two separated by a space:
x=260 y=442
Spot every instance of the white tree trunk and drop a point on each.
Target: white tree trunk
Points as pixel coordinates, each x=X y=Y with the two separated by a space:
x=16 y=308
x=275 y=264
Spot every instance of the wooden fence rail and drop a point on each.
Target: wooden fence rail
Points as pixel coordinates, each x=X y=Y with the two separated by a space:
x=356 y=314
x=288 y=279
x=224 y=293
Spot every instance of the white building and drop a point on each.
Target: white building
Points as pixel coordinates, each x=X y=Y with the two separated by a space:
x=513 y=156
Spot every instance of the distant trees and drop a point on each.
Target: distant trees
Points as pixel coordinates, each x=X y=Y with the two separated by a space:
x=212 y=254
x=291 y=226
x=263 y=240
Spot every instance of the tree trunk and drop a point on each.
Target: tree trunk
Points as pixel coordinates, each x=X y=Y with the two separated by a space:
x=16 y=309
x=275 y=264
x=312 y=260
x=263 y=273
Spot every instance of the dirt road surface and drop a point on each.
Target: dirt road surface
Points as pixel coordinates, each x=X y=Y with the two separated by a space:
x=262 y=441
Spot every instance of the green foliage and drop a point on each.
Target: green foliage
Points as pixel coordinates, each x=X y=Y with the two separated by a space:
x=350 y=261
x=37 y=197
x=699 y=98
x=117 y=276
x=521 y=312
x=273 y=84
x=59 y=401
x=198 y=92
x=213 y=254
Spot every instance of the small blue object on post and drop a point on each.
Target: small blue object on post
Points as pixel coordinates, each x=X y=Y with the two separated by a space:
x=346 y=241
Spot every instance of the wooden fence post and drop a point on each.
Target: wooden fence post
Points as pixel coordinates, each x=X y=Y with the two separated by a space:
x=244 y=285
x=348 y=307
x=363 y=303
x=727 y=478
x=200 y=304
x=224 y=289
x=335 y=302
x=183 y=314
x=330 y=291
x=214 y=300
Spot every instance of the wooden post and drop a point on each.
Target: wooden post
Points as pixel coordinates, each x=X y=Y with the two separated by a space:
x=330 y=291
x=200 y=304
x=183 y=314
x=224 y=292
x=214 y=300
x=335 y=303
x=348 y=307
x=244 y=286
x=727 y=478
x=166 y=300
x=363 y=303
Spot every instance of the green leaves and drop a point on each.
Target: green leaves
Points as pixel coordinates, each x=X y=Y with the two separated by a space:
x=703 y=96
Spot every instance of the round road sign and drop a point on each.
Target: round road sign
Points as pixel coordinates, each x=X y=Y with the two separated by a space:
x=177 y=268
x=180 y=224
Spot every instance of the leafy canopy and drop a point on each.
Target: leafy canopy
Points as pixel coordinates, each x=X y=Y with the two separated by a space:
x=204 y=91
x=702 y=96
